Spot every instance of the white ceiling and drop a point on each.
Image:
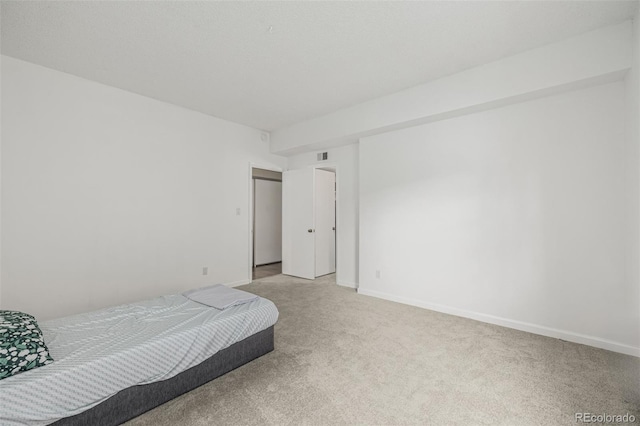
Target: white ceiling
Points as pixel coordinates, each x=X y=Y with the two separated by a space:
x=272 y=64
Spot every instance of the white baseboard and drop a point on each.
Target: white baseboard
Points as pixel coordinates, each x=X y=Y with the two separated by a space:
x=347 y=284
x=237 y=283
x=509 y=323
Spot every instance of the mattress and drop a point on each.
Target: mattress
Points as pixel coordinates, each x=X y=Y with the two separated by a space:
x=100 y=353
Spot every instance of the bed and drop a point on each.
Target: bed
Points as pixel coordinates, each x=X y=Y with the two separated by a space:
x=114 y=364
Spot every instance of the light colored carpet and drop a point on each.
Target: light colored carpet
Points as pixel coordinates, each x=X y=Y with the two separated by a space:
x=344 y=358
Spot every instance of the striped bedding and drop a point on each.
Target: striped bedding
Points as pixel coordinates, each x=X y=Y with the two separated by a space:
x=100 y=353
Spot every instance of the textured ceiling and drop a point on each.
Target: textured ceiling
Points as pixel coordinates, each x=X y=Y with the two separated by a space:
x=271 y=64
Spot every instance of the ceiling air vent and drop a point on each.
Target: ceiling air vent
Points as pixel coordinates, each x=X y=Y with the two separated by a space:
x=323 y=156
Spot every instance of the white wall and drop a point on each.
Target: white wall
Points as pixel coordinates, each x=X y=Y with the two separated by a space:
x=267 y=221
x=110 y=197
x=632 y=91
x=346 y=161
x=634 y=111
x=516 y=215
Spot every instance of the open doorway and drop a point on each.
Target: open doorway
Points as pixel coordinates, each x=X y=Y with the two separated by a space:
x=325 y=220
x=266 y=223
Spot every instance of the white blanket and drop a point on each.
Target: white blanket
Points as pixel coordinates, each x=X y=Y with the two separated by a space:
x=219 y=296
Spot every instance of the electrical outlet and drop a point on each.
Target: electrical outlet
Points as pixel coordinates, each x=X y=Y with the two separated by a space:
x=205 y=270
x=377 y=274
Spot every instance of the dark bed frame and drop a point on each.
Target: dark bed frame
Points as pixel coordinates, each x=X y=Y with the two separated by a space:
x=133 y=401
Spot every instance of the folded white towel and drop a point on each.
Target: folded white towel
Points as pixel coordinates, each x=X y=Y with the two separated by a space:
x=219 y=296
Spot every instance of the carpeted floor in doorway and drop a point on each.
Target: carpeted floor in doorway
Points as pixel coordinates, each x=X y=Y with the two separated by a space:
x=343 y=358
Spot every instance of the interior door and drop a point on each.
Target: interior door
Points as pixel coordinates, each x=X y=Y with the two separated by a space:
x=325 y=222
x=298 y=242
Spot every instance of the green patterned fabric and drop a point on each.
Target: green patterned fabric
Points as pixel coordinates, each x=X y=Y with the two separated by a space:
x=21 y=344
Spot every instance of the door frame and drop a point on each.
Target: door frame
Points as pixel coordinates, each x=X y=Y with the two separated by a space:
x=252 y=166
x=333 y=165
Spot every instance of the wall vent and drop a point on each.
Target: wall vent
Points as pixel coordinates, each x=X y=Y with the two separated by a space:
x=323 y=156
